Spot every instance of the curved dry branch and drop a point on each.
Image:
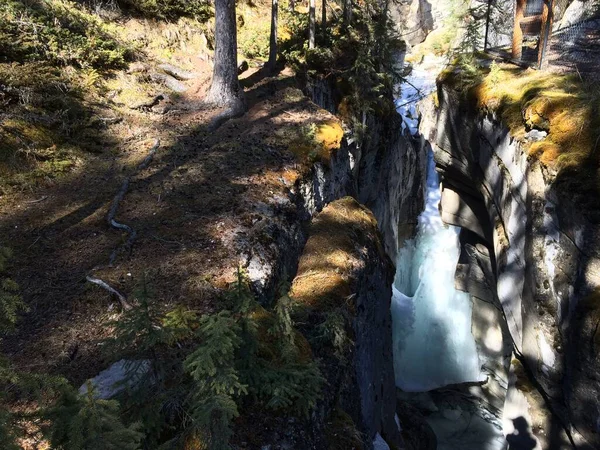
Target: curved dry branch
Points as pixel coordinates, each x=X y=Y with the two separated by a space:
x=112 y=212
x=122 y=299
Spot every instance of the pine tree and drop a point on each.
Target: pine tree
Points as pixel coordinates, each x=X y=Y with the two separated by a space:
x=87 y=423
x=242 y=302
x=216 y=383
x=153 y=396
x=283 y=328
x=284 y=382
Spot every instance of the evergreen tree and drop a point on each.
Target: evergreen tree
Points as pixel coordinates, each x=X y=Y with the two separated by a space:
x=225 y=89
x=216 y=383
x=154 y=396
x=283 y=328
x=273 y=37
x=87 y=423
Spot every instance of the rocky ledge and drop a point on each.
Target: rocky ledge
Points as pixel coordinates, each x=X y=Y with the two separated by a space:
x=530 y=261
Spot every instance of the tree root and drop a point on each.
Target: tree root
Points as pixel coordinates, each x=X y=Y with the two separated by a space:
x=122 y=299
x=237 y=109
x=110 y=218
x=112 y=212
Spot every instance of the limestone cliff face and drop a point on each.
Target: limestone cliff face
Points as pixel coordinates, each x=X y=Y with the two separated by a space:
x=344 y=276
x=385 y=172
x=530 y=261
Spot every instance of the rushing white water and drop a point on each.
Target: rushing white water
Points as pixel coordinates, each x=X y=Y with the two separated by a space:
x=433 y=344
x=418 y=84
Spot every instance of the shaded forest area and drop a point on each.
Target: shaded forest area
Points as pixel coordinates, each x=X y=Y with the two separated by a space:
x=102 y=98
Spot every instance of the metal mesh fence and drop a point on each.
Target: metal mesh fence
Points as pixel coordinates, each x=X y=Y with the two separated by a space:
x=562 y=34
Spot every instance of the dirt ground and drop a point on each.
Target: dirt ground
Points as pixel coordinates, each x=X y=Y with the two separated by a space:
x=200 y=193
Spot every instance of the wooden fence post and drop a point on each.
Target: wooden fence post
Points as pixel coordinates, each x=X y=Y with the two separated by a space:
x=547 y=19
x=517 y=41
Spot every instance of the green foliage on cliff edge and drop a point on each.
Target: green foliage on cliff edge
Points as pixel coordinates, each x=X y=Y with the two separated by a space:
x=360 y=58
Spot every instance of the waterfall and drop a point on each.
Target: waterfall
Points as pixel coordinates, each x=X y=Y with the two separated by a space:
x=433 y=344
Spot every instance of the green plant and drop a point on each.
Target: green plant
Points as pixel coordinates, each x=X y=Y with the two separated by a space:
x=494 y=75
x=283 y=327
x=153 y=397
x=216 y=383
x=88 y=423
x=332 y=332
x=171 y=9
x=57 y=31
x=280 y=375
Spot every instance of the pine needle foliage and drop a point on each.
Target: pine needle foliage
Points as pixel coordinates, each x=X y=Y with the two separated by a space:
x=216 y=383
x=291 y=388
x=283 y=328
x=141 y=328
x=283 y=381
x=153 y=397
x=88 y=423
x=333 y=332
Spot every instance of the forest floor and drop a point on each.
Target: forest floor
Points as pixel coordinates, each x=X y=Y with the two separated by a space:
x=202 y=192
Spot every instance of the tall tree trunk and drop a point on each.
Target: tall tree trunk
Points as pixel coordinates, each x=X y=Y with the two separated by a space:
x=225 y=88
x=292 y=6
x=311 y=24
x=273 y=39
x=324 y=15
x=347 y=12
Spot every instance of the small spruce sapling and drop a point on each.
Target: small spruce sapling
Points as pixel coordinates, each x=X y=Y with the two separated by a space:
x=285 y=382
x=84 y=422
x=144 y=330
x=216 y=384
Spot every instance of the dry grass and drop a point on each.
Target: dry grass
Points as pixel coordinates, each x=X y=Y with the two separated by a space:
x=332 y=254
x=561 y=105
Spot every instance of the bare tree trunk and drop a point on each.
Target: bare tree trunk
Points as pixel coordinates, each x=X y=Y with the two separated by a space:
x=225 y=89
x=273 y=39
x=292 y=6
x=347 y=12
x=324 y=15
x=311 y=24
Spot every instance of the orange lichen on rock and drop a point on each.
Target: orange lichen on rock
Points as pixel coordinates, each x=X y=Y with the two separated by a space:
x=329 y=135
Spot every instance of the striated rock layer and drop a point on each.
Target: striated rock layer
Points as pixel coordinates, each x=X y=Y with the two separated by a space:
x=530 y=262
x=344 y=276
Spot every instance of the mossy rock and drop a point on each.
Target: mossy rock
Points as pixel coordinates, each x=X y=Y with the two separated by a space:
x=341 y=432
x=333 y=253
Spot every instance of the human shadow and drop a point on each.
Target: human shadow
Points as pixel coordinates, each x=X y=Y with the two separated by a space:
x=521 y=438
